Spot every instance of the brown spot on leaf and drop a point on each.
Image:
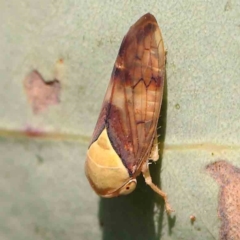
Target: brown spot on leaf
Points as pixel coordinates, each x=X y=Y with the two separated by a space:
x=192 y=219
x=60 y=61
x=32 y=132
x=228 y=177
x=41 y=94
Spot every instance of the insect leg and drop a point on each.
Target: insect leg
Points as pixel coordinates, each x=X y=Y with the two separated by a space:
x=154 y=152
x=148 y=180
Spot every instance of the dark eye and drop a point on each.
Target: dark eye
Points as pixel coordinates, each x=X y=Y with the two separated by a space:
x=127 y=188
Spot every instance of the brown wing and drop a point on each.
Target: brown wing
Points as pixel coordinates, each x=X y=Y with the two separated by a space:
x=133 y=99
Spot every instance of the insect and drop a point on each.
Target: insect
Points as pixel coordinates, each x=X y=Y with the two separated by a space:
x=125 y=136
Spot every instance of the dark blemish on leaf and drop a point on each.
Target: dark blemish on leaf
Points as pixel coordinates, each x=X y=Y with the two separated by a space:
x=44 y=232
x=41 y=94
x=32 y=132
x=60 y=61
x=99 y=43
x=192 y=219
x=36 y=229
x=40 y=160
x=228 y=178
x=177 y=106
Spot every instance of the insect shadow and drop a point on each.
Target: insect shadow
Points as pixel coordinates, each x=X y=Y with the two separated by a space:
x=140 y=214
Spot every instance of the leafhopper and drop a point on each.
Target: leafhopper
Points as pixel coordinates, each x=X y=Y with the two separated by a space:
x=125 y=136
